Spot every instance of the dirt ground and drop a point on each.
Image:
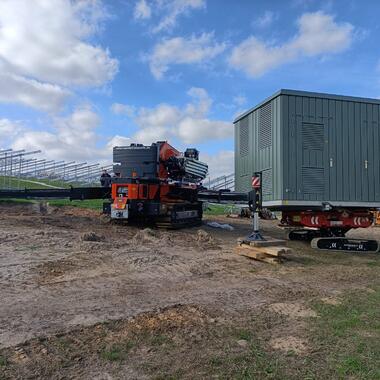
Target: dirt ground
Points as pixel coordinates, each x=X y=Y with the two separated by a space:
x=172 y=300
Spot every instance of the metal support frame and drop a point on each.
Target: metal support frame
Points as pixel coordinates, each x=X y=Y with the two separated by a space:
x=60 y=170
x=13 y=165
x=35 y=168
x=91 y=175
x=64 y=170
x=51 y=166
x=7 y=166
x=25 y=162
x=92 y=172
x=11 y=153
x=256 y=235
x=33 y=164
x=88 y=167
x=82 y=172
x=3 y=151
x=73 y=168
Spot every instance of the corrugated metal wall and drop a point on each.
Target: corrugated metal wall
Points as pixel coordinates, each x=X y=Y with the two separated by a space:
x=316 y=148
x=258 y=148
x=342 y=167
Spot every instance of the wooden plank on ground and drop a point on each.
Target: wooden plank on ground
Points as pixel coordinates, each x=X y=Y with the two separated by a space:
x=253 y=253
x=268 y=242
x=274 y=251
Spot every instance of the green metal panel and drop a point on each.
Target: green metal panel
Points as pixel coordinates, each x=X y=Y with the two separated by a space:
x=264 y=125
x=324 y=148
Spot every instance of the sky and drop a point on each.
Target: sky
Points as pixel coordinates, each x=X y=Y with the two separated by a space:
x=79 y=77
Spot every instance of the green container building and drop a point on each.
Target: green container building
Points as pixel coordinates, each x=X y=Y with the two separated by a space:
x=313 y=149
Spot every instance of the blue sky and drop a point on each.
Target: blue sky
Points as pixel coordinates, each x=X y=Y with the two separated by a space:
x=77 y=77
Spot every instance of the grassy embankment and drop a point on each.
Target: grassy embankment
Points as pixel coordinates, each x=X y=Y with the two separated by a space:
x=30 y=183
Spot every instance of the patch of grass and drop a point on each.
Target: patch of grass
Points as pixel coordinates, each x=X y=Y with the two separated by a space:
x=373 y=263
x=349 y=335
x=31 y=183
x=16 y=201
x=94 y=204
x=34 y=247
x=256 y=363
x=178 y=375
x=244 y=334
x=64 y=343
x=159 y=340
x=216 y=361
x=216 y=209
x=344 y=342
x=117 y=352
x=3 y=361
x=351 y=365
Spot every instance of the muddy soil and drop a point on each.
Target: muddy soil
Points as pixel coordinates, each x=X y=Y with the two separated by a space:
x=64 y=269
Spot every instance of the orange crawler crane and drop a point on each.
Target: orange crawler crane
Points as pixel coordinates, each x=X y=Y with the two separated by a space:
x=157 y=183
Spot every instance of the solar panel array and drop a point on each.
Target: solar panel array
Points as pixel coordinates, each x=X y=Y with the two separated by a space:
x=21 y=168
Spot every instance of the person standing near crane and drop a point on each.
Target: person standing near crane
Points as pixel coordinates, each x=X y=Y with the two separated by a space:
x=105 y=179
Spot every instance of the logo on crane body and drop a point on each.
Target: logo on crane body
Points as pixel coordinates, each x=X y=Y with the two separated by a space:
x=256 y=182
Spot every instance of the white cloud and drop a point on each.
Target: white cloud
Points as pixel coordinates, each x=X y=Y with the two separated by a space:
x=201 y=102
x=173 y=9
x=180 y=50
x=8 y=130
x=76 y=136
x=160 y=116
x=31 y=93
x=123 y=109
x=189 y=124
x=265 y=20
x=117 y=141
x=220 y=163
x=45 y=44
x=318 y=34
x=149 y=135
x=192 y=130
x=156 y=123
x=142 y=10
x=240 y=100
x=73 y=137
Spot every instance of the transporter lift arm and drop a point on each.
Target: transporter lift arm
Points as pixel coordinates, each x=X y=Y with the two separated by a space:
x=83 y=193
x=72 y=193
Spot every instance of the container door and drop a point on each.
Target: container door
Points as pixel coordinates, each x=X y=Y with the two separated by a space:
x=312 y=163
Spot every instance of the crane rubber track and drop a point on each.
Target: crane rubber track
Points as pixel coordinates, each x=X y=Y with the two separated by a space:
x=346 y=245
x=181 y=216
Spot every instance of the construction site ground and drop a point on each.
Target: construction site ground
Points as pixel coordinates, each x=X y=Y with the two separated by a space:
x=83 y=298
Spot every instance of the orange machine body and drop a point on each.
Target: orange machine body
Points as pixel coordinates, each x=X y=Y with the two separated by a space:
x=166 y=151
x=135 y=191
x=157 y=198
x=149 y=191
